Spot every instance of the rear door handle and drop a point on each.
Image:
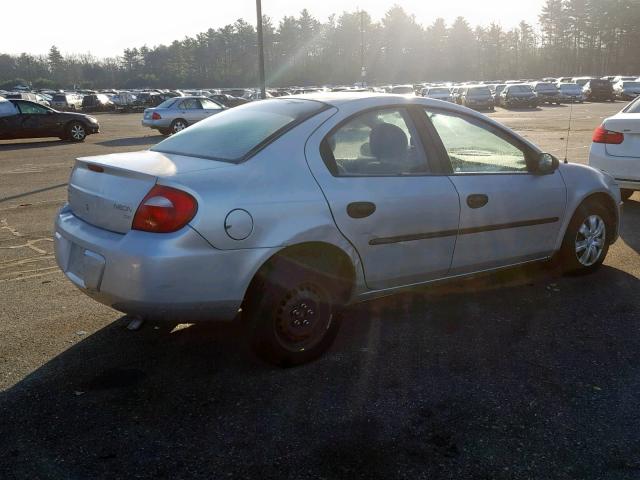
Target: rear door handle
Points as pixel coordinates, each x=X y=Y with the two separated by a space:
x=360 y=209
x=477 y=200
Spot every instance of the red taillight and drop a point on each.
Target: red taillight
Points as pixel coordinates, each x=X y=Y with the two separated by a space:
x=155 y=116
x=164 y=210
x=602 y=135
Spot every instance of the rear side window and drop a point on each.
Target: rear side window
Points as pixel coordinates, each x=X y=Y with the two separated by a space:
x=235 y=134
x=377 y=142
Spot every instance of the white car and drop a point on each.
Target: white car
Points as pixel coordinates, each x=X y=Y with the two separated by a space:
x=616 y=148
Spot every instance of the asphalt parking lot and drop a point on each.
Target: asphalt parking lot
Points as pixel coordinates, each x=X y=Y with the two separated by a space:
x=521 y=375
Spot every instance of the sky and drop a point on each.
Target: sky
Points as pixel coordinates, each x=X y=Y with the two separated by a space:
x=107 y=28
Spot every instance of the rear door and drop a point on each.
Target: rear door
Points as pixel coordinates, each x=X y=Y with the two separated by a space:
x=191 y=110
x=507 y=214
x=376 y=176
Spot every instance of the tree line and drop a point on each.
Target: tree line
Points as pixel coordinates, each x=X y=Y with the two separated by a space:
x=572 y=37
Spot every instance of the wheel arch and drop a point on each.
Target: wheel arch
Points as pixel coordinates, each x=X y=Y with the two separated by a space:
x=326 y=258
x=602 y=198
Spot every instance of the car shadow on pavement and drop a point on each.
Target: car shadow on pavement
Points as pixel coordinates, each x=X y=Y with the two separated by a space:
x=521 y=374
x=7 y=147
x=132 y=141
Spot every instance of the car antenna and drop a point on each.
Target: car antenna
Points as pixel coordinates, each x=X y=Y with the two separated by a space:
x=566 y=146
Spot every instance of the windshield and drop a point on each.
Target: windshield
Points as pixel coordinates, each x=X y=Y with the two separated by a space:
x=582 y=81
x=545 y=87
x=402 y=90
x=631 y=85
x=519 y=89
x=479 y=92
x=432 y=91
x=232 y=135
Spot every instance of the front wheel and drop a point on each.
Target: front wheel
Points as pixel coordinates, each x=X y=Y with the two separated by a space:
x=293 y=314
x=76 y=132
x=586 y=241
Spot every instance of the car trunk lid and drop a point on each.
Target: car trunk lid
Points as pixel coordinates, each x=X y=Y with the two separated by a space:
x=106 y=190
x=629 y=125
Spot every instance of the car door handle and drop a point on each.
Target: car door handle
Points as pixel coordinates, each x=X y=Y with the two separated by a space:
x=477 y=200
x=360 y=209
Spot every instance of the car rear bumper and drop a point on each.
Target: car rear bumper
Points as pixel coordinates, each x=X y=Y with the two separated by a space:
x=625 y=170
x=169 y=276
x=156 y=124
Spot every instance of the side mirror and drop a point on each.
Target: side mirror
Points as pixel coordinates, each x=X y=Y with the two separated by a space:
x=546 y=163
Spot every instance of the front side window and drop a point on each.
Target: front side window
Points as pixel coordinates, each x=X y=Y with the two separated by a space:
x=209 y=105
x=474 y=148
x=377 y=142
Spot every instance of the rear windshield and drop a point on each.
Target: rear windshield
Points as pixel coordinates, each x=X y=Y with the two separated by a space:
x=630 y=84
x=234 y=134
x=402 y=90
x=546 y=87
x=633 y=107
x=519 y=89
x=167 y=103
x=431 y=91
x=479 y=92
x=599 y=83
x=571 y=87
x=59 y=98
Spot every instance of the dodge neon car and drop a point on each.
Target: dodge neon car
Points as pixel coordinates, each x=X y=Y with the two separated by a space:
x=290 y=208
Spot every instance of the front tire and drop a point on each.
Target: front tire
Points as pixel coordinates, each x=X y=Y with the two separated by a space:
x=293 y=313
x=586 y=241
x=76 y=132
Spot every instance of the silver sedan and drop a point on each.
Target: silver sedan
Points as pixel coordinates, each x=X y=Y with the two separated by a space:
x=176 y=114
x=287 y=209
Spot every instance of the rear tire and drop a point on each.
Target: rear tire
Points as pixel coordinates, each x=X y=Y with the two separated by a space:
x=293 y=313
x=164 y=131
x=586 y=241
x=178 y=125
x=626 y=194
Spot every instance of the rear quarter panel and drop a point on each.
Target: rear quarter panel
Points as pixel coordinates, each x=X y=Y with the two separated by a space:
x=276 y=188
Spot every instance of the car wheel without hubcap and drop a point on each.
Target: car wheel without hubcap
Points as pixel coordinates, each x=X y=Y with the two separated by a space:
x=293 y=313
x=178 y=126
x=77 y=132
x=590 y=240
x=303 y=318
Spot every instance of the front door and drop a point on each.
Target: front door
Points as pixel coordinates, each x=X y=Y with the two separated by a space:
x=377 y=179
x=507 y=214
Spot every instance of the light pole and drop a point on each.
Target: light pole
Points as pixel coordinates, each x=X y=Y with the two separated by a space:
x=263 y=86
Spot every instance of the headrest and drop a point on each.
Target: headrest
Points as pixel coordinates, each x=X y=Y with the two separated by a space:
x=387 y=140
